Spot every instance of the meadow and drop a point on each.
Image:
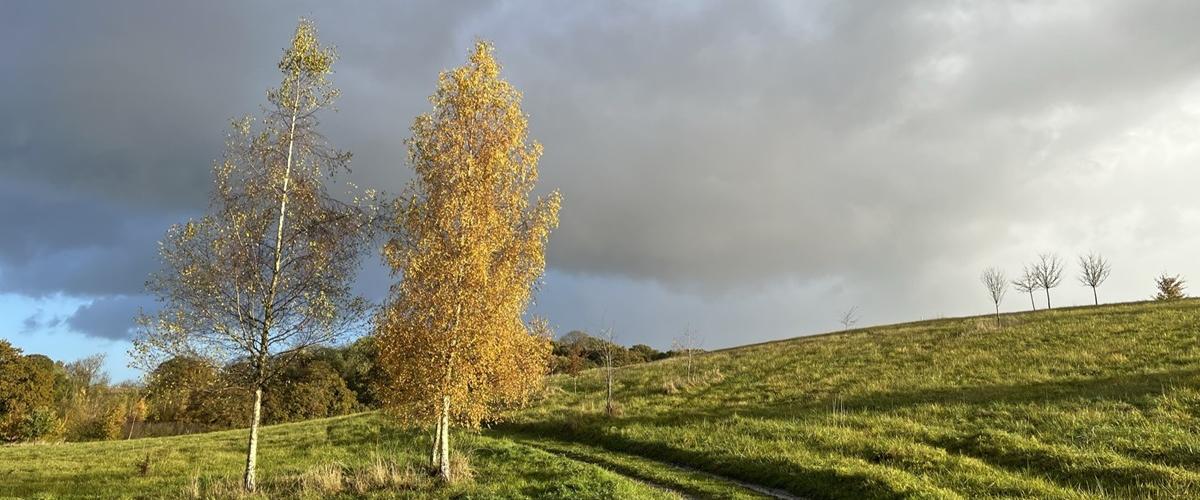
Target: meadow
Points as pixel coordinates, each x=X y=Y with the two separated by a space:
x=1089 y=402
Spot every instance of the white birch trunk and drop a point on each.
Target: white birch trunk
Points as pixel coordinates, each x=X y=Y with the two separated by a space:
x=252 y=447
x=444 y=458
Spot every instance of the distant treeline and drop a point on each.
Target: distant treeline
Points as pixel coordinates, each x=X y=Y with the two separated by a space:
x=46 y=400
x=576 y=351
x=42 y=399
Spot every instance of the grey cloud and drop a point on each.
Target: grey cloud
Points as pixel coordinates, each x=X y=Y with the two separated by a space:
x=709 y=148
x=109 y=317
x=31 y=323
x=37 y=321
x=58 y=242
x=130 y=100
x=733 y=155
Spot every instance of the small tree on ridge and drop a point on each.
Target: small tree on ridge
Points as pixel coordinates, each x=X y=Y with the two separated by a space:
x=1169 y=287
x=688 y=343
x=1093 y=270
x=1048 y=273
x=997 y=285
x=1027 y=284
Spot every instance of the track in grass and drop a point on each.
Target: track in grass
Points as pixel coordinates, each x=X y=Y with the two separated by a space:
x=679 y=479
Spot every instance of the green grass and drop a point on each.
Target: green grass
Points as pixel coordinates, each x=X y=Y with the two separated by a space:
x=1096 y=402
x=210 y=464
x=1069 y=403
x=692 y=483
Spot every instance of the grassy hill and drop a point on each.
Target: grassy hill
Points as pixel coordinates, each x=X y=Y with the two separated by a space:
x=356 y=455
x=1069 y=403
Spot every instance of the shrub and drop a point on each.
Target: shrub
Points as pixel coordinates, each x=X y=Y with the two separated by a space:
x=175 y=386
x=27 y=383
x=1169 y=287
x=41 y=424
x=104 y=425
x=305 y=391
x=143 y=465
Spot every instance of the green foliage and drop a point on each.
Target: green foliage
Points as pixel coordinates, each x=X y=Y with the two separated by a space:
x=176 y=389
x=27 y=385
x=642 y=353
x=106 y=423
x=576 y=351
x=307 y=390
x=192 y=394
x=358 y=366
x=41 y=424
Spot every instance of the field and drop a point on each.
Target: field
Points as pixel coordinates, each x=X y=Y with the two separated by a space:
x=1068 y=403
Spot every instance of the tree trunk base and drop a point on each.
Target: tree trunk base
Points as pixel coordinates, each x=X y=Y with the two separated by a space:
x=248 y=483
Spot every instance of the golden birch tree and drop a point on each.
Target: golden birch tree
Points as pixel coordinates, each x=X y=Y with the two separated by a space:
x=267 y=272
x=469 y=245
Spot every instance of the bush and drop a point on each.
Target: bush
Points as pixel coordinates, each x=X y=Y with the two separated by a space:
x=106 y=425
x=26 y=383
x=175 y=386
x=41 y=424
x=1169 y=287
x=307 y=390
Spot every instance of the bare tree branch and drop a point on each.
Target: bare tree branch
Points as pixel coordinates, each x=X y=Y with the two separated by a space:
x=997 y=286
x=1093 y=270
x=849 y=318
x=1048 y=273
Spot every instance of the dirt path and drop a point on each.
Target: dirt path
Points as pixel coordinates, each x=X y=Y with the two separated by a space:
x=751 y=489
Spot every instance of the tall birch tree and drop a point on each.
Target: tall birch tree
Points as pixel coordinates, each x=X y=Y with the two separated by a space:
x=469 y=244
x=267 y=272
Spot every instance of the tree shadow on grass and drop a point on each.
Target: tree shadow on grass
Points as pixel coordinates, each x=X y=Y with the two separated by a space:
x=808 y=480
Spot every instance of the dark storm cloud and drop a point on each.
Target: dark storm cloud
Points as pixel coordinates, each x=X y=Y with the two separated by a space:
x=865 y=152
x=110 y=317
x=130 y=100
x=77 y=244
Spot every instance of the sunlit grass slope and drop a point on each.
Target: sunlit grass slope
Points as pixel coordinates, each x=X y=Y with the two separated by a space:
x=1069 y=403
x=354 y=456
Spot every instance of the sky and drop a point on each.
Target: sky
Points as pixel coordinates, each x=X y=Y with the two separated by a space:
x=746 y=169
